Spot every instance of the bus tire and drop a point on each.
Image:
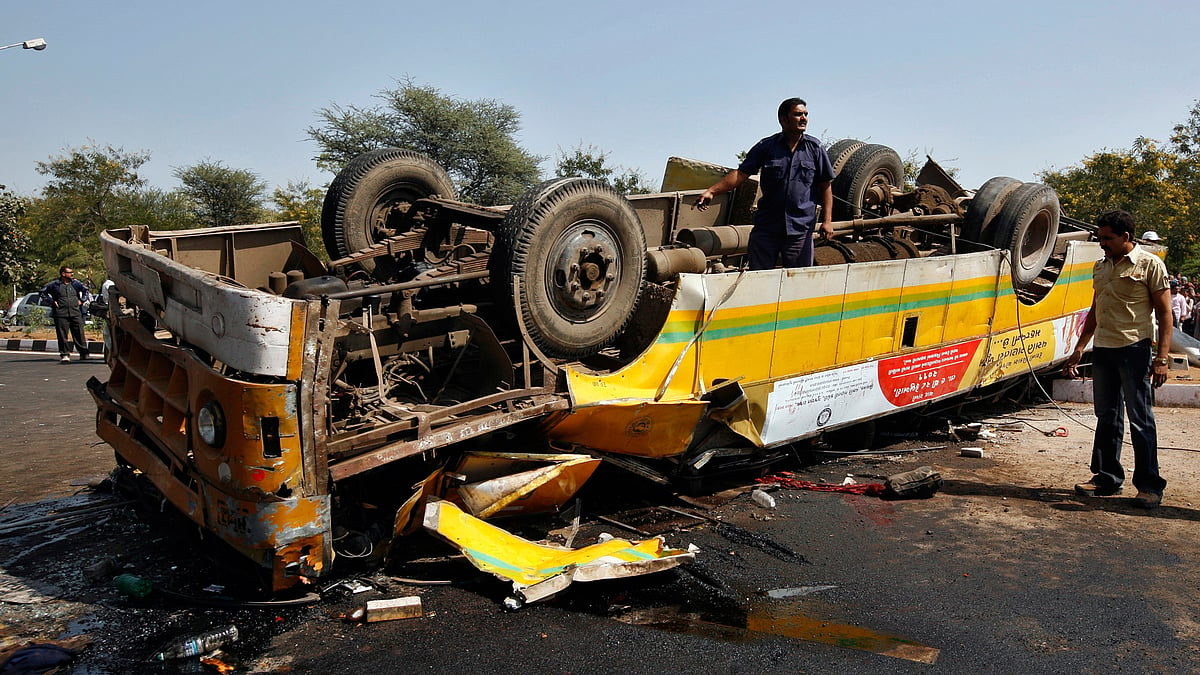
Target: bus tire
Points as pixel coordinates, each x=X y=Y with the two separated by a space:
x=578 y=249
x=985 y=206
x=1027 y=227
x=368 y=198
x=841 y=150
x=869 y=166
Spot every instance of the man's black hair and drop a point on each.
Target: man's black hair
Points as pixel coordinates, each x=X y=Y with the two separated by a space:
x=1120 y=222
x=786 y=106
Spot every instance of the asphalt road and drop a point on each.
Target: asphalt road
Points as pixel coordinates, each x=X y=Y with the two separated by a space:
x=1004 y=570
x=48 y=426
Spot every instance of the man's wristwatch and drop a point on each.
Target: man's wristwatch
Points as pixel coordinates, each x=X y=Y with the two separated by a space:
x=1161 y=361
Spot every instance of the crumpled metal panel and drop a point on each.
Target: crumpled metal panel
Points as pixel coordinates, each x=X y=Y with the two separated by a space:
x=266 y=524
x=508 y=484
x=247 y=329
x=537 y=571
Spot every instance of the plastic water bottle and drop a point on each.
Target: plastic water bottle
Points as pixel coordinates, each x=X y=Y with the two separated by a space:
x=132 y=585
x=201 y=643
x=763 y=499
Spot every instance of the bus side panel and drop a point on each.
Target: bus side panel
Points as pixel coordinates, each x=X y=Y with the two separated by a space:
x=924 y=302
x=810 y=319
x=870 y=310
x=972 y=296
x=642 y=377
x=740 y=337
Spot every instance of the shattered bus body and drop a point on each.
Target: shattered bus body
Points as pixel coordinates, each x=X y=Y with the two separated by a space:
x=274 y=399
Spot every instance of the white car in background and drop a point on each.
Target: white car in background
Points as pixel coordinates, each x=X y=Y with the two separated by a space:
x=18 y=312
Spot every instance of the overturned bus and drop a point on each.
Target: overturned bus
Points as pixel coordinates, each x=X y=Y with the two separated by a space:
x=281 y=402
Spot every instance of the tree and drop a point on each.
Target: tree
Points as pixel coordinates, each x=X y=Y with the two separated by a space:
x=17 y=264
x=91 y=189
x=1147 y=180
x=591 y=162
x=221 y=195
x=302 y=203
x=473 y=140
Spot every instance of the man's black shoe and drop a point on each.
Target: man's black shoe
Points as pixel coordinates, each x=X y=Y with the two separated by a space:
x=1090 y=489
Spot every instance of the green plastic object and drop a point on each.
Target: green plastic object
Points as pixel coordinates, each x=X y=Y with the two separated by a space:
x=133 y=586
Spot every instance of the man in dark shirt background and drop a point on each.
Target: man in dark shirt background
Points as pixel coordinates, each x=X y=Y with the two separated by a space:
x=68 y=295
x=793 y=168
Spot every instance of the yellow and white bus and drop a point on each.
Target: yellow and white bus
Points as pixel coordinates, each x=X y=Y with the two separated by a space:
x=270 y=396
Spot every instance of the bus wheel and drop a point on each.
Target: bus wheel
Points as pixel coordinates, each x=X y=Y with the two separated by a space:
x=985 y=206
x=367 y=201
x=579 y=252
x=841 y=150
x=1027 y=228
x=864 y=185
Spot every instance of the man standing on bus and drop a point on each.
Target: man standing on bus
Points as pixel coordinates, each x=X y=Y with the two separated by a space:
x=793 y=168
x=1130 y=291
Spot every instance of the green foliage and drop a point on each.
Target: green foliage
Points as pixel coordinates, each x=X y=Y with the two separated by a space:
x=91 y=189
x=1149 y=181
x=301 y=202
x=158 y=209
x=474 y=140
x=221 y=195
x=591 y=162
x=37 y=319
x=17 y=264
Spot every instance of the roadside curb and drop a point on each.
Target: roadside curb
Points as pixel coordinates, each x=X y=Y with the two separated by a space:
x=1169 y=395
x=94 y=347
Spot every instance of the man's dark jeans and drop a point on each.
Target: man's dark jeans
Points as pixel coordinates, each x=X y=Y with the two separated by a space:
x=1120 y=384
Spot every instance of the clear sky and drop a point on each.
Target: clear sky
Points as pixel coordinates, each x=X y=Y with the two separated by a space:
x=994 y=88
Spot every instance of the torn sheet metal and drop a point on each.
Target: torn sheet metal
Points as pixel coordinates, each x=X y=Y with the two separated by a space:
x=538 y=571
x=501 y=484
x=412 y=512
x=508 y=484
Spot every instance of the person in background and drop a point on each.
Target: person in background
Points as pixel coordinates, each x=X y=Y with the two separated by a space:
x=68 y=296
x=1130 y=292
x=1195 y=315
x=795 y=174
x=1179 y=303
x=1187 y=318
x=100 y=308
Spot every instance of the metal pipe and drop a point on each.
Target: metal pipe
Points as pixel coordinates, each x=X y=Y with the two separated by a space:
x=730 y=239
x=408 y=285
x=898 y=219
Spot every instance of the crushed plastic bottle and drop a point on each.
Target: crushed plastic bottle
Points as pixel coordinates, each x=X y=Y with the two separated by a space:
x=201 y=643
x=763 y=499
x=133 y=585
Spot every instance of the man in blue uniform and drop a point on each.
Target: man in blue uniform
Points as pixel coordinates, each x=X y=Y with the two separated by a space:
x=793 y=169
x=68 y=296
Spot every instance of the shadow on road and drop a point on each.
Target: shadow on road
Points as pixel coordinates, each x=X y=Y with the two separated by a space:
x=1066 y=500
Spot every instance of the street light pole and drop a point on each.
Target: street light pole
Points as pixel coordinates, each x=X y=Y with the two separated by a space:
x=37 y=44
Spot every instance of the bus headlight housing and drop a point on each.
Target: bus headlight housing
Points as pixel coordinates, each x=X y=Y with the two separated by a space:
x=210 y=424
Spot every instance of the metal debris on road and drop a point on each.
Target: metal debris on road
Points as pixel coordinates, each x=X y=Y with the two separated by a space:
x=538 y=571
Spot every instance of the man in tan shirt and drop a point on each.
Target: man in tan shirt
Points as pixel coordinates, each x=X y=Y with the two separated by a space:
x=1131 y=291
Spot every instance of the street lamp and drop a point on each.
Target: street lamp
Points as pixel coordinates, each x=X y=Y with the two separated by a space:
x=36 y=43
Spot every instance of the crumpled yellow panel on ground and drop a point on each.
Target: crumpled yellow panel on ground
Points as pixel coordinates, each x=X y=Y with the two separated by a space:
x=539 y=570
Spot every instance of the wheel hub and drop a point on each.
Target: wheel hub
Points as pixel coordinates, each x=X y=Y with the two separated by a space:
x=388 y=216
x=585 y=268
